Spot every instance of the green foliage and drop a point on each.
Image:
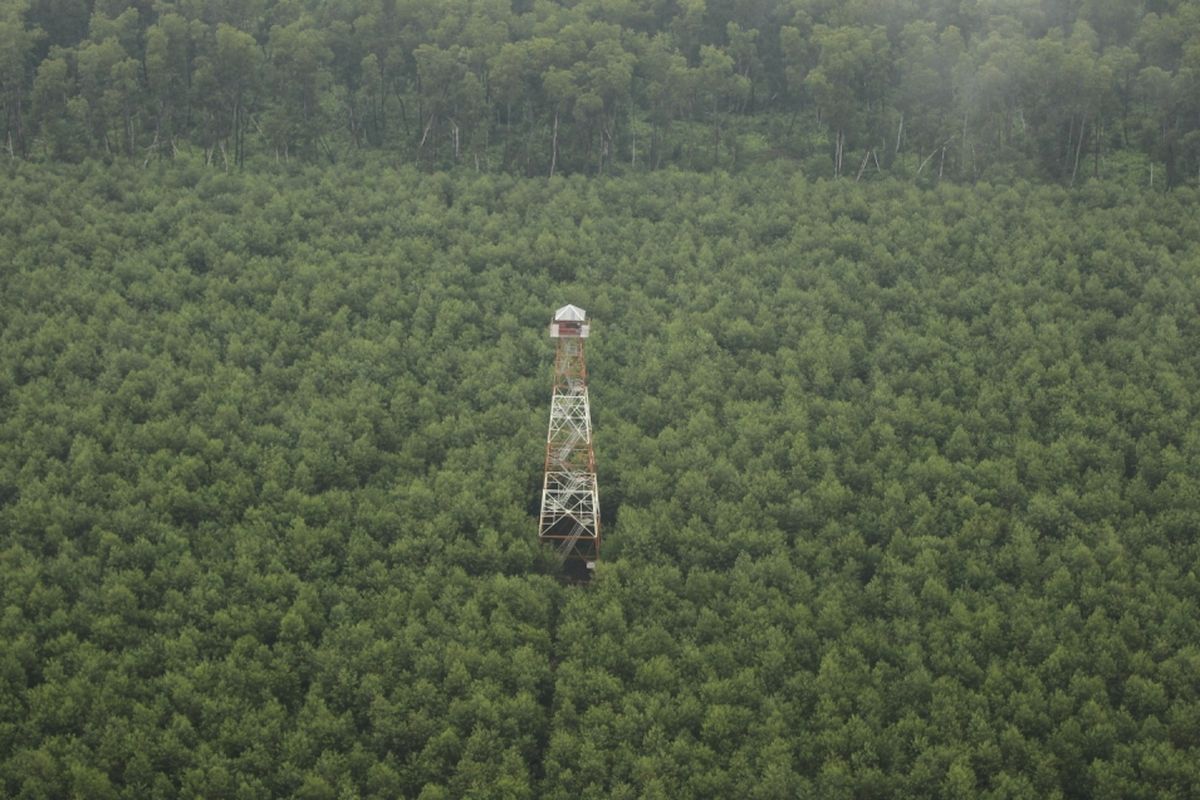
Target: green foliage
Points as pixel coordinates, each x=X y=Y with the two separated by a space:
x=899 y=484
x=1061 y=92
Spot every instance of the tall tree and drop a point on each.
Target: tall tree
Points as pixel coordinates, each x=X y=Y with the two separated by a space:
x=848 y=85
x=298 y=68
x=17 y=44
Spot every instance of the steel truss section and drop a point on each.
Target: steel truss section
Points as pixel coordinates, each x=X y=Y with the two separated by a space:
x=570 y=515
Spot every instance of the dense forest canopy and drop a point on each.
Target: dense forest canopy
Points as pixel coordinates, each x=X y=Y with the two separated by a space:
x=900 y=485
x=964 y=89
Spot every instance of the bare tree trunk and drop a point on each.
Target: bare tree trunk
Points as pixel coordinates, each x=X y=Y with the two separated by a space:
x=238 y=136
x=381 y=114
x=605 y=141
x=554 y=146
x=528 y=137
x=962 y=162
x=403 y=114
x=1078 y=147
x=862 y=166
x=425 y=135
x=20 y=131
x=152 y=150
x=926 y=161
x=1070 y=140
x=899 y=133
x=354 y=128
x=633 y=140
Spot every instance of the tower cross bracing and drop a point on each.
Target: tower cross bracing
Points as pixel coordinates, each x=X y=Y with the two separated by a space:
x=570 y=513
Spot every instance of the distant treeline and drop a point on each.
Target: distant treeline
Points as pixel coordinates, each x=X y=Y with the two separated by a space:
x=1036 y=88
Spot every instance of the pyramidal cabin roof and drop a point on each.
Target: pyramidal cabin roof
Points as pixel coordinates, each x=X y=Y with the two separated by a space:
x=570 y=313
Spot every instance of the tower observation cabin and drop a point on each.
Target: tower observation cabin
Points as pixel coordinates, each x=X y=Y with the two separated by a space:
x=569 y=321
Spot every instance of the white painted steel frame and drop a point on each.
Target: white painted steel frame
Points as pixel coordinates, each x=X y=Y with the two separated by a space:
x=570 y=513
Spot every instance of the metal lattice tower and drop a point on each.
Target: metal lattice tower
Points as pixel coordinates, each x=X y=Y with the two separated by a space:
x=570 y=518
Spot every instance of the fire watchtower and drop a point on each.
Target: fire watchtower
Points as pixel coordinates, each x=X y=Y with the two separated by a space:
x=570 y=517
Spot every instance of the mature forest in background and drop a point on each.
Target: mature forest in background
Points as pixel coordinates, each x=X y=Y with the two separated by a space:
x=1046 y=89
x=900 y=487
